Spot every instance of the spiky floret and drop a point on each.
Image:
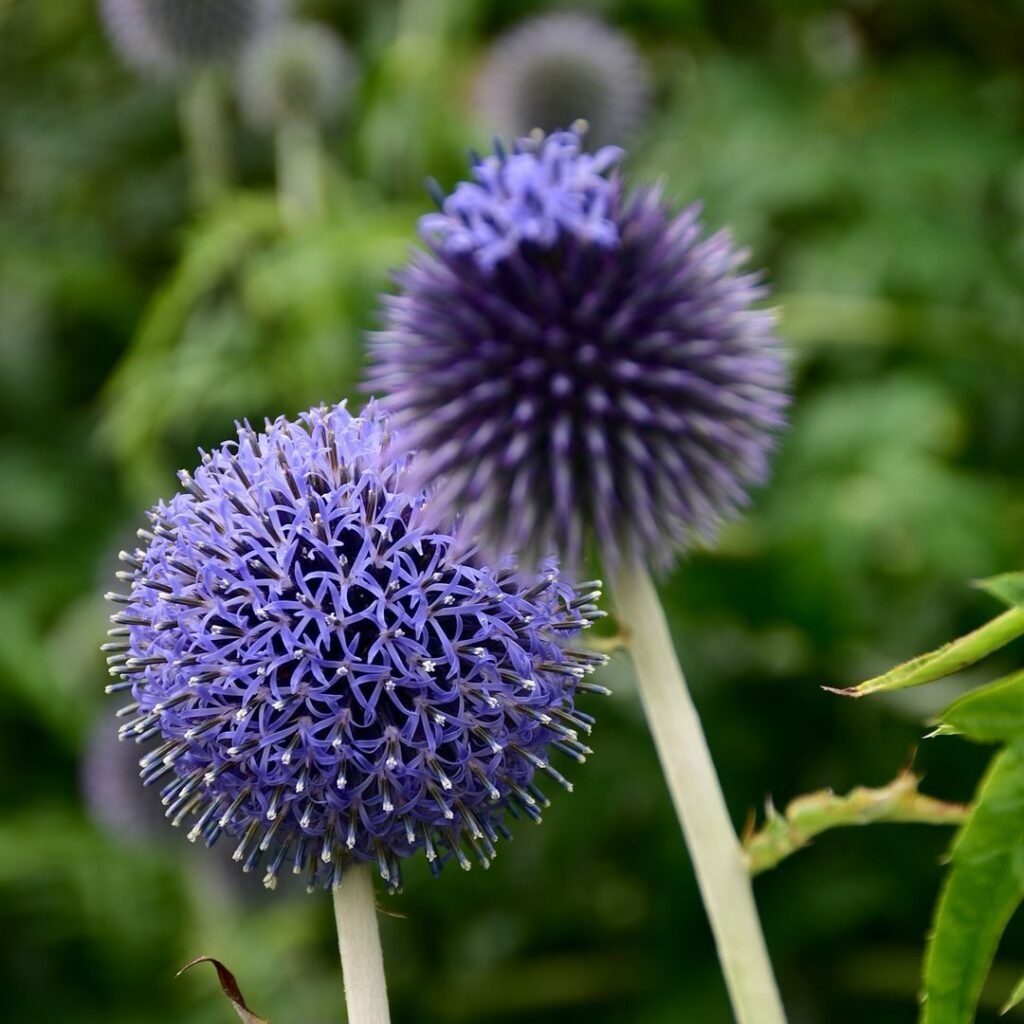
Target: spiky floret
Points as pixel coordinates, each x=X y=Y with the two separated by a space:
x=580 y=361
x=324 y=677
x=170 y=36
x=556 y=68
x=298 y=70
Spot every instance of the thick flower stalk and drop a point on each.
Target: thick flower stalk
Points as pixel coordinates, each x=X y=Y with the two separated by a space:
x=584 y=365
x=554 y=69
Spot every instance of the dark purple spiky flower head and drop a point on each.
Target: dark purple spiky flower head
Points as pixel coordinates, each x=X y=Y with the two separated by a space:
x=171 y=36
x=323 y=677
x=579 y=360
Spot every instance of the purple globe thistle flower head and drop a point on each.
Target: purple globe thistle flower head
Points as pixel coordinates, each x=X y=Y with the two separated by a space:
x=580 y=361
x=167 y=37
x=297 y=71
x=326 y=679
x=554 y=69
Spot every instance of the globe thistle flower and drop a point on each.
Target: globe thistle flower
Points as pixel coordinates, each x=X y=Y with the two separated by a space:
x=579 y=360
x=165 y=37
x=325 y=678
x=557 y=68
x=295 y=71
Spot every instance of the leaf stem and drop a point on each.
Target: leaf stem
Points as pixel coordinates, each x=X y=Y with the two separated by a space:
x=686 y=761
x=362 y=961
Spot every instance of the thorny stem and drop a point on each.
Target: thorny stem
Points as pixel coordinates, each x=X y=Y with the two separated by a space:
x=718 y=860
x=807 y=816
x=362 y=962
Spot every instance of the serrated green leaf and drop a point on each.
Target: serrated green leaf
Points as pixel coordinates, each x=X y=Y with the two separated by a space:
x=946 y=660
x=983 y=888
x=1007 y=587
x=990 y=714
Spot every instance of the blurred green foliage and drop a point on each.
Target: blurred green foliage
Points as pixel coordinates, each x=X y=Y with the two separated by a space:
x=872 y=156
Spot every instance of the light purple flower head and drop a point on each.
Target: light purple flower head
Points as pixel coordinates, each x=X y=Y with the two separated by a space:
x=297 y=71
x=323 y=677
x=577 y=361
x=554 y=69
x=167 y=37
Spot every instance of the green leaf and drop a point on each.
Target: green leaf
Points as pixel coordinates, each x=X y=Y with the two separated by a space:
x=990 y=714
x=1007 y=587
x=985 y=885
x=950 y=658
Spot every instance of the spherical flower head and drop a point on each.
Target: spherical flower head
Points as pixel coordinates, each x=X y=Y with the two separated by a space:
x=297 y=71
x=167 y=37
x=554 y=69
x=326 y=678
x=579 y=361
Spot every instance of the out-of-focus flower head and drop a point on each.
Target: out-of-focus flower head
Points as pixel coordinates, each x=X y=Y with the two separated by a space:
x=557 y=68
x=323 y=676
x=298 y=70
x=576 y=360
x=168 y=37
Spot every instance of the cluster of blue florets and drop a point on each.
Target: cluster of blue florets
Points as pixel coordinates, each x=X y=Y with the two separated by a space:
x=326 y=677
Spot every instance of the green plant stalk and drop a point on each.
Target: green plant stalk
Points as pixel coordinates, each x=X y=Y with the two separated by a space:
x=808 y=816
x=718 y=859
x=362 y=962
x=301 y=178
x=204 y=126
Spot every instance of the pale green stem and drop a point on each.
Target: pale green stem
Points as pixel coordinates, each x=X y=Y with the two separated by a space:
x=301 y=180
x=204 y=125
x=717 y=857
x=362 y=962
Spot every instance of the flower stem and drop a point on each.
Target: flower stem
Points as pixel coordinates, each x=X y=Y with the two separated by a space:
x=300 y=173
x=362 y=962
x=203 y=123
x=717 y=857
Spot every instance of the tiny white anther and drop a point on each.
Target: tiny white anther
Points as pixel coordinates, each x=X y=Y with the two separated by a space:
x=278 y=705
x=193 y=835
x=300 y=786
x=190 y=734
x=391 y=763
x=271 y=814
x=477 y=652
x=448 y=599
x=286 y=757
x=439 y=718
x=209 y=778
x=428 y=666
x=337 y=743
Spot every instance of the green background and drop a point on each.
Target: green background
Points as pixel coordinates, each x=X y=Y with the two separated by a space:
x=871 y=155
